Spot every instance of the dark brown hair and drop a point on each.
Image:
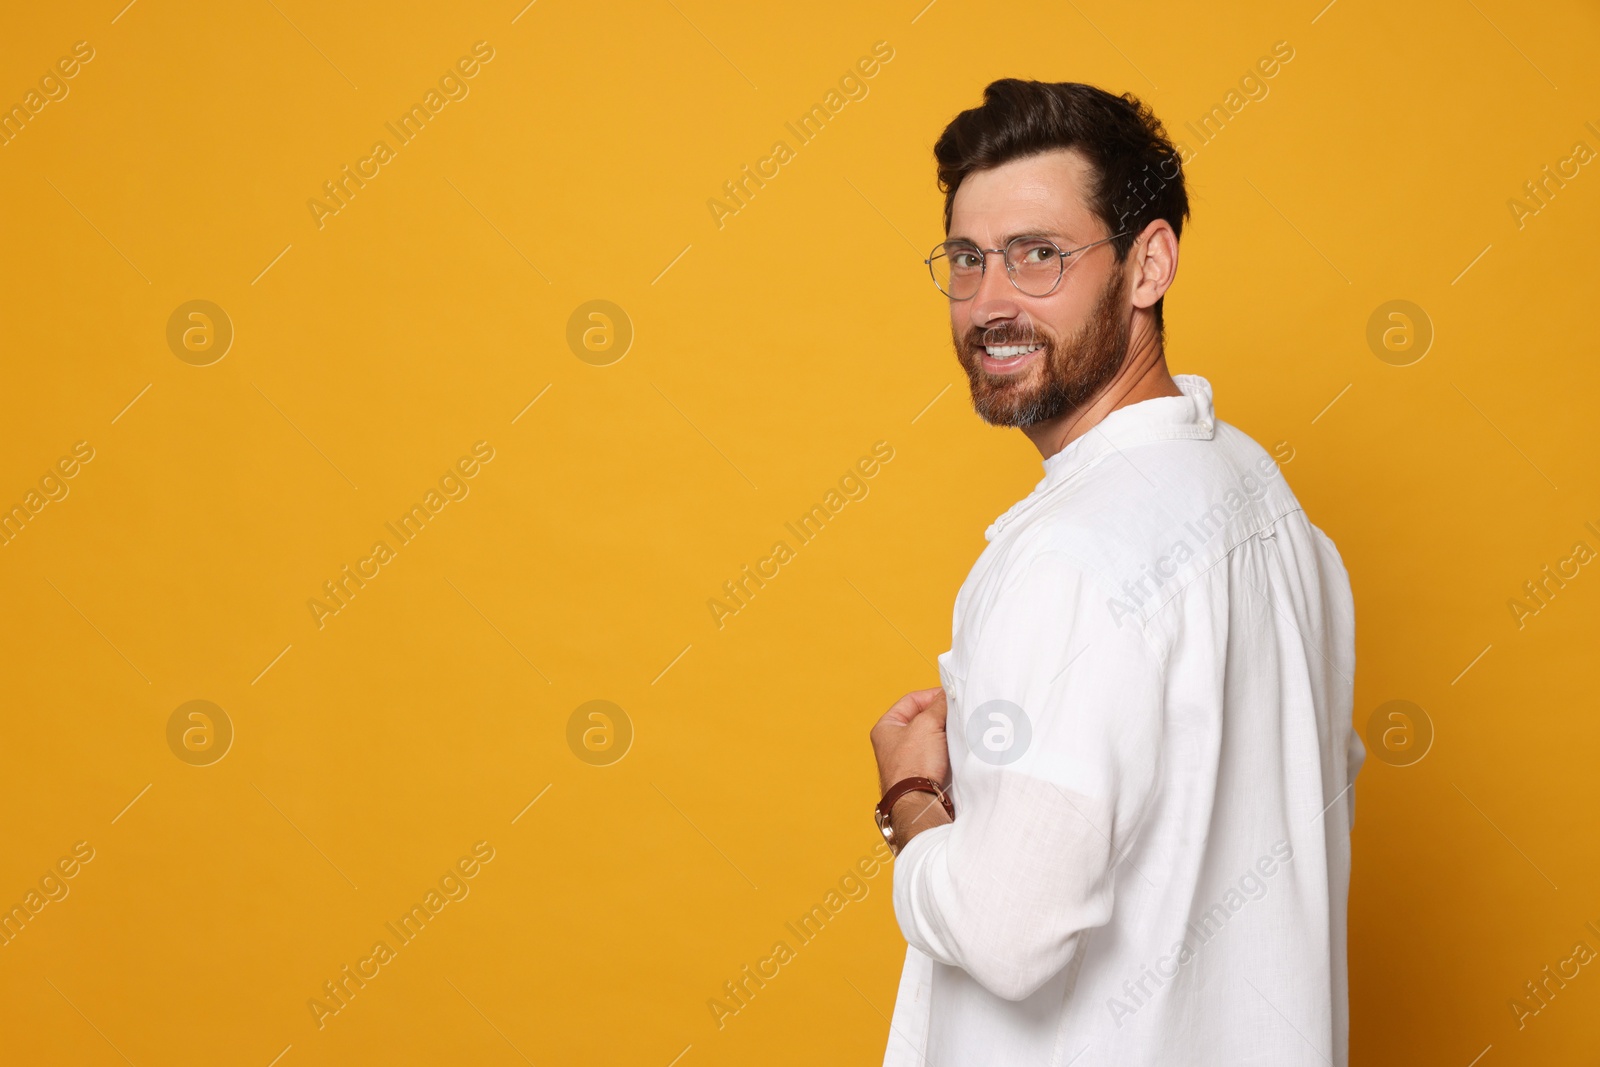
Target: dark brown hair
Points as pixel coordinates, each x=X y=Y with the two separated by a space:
x=1139 y=172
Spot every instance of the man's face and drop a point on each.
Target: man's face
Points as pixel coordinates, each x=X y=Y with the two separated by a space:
x=1077 y=336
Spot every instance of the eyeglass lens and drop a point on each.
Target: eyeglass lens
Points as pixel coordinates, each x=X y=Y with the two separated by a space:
x=1035 y=265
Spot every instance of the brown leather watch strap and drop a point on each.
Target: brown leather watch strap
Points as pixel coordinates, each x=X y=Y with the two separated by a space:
x=912 y=785
x=886 y=806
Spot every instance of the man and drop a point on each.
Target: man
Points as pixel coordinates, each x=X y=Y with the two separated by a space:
x=1143 y=728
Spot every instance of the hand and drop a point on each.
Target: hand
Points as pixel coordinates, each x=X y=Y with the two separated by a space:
x=909 y=739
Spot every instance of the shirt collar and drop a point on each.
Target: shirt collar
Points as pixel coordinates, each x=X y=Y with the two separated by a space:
x=1188 y=416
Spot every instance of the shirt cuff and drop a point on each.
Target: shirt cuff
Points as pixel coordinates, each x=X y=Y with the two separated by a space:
x=911 y=868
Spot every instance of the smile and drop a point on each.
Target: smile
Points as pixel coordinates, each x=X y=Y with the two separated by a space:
x=1005 y=358
x=1009 y=351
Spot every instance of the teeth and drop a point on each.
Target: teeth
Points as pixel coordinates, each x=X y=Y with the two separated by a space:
x=1009 y=351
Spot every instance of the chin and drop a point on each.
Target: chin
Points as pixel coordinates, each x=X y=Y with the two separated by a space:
x=1014 y=417
x=1014 y=408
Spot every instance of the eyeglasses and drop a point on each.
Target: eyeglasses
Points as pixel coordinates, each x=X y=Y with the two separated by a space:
x=1034 y=264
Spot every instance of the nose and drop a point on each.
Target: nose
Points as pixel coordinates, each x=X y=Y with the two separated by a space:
x=996 y=297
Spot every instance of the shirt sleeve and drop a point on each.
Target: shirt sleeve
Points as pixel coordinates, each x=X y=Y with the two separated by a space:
x=1054 y=752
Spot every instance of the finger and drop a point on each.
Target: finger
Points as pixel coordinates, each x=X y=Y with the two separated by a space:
x=929 y=723
x=912 y=704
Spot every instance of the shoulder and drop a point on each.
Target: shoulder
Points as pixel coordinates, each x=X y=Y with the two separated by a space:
x=1144 y=519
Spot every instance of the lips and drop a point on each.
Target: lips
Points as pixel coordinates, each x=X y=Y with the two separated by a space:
x=1007 y=359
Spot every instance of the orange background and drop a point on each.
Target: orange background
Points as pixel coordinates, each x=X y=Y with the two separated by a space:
x=768 y=354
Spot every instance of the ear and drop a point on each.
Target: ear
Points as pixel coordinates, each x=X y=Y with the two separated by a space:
x=1154 y=262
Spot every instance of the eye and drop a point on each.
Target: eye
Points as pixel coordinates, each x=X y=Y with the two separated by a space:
x=1033 y=253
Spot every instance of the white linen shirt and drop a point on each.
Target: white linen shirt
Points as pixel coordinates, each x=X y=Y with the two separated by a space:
x=1149 y=691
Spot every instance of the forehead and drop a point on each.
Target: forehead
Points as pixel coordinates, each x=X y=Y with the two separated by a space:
x=1037 y=193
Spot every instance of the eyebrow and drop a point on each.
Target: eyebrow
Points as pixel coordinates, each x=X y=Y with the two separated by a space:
x=1053 y=234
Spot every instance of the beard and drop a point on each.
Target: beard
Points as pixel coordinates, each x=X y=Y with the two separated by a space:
x=1066 y=376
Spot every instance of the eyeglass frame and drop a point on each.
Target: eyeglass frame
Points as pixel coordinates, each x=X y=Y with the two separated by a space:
x=1011 y=275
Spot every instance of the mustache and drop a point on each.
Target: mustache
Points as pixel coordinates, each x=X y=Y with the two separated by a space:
x=1010 y=333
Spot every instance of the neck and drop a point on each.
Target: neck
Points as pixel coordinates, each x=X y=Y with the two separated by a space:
x=1142 y=376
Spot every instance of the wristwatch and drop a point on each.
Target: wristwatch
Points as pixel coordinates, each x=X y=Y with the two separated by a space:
x=898 y=790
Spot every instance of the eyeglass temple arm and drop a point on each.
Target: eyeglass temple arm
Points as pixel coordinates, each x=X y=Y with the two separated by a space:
x=1093 y=244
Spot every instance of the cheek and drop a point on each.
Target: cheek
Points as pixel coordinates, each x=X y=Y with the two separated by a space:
x=1056 y=322
x=960 y=327
x=1080 y=307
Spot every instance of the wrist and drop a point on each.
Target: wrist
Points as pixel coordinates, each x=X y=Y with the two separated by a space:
x=910 y=806
x=914 y=813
